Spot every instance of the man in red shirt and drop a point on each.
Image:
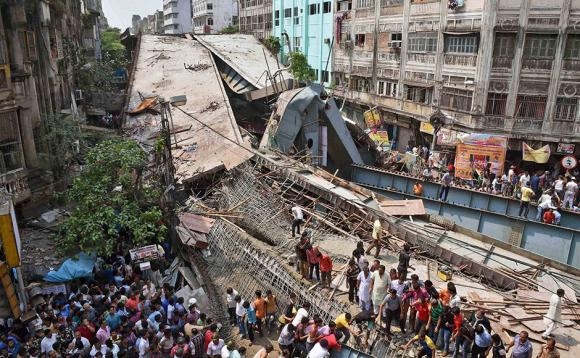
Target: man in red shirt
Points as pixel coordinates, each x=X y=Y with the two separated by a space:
x=87 y=330
x=260 y=307
x=325 y=269
x=549 y=216
x=133 y=302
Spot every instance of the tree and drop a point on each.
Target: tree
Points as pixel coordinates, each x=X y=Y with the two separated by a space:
x=299 y=67
x=113 y=201
x=272 y=43
x=230 y=29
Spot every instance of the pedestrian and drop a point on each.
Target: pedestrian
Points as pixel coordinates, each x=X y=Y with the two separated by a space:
x=435 y=321
x=447 y=328
x=241 y=316
x=351 y=281
x=313 y=333
x=498 y=349
x=548 y=217
x=446 y=181
x=413 y=298
x=286 y=340
x=522 y=346
x=570 y=193
x=463 y=337
x=313 y=262
x=427 y=349
x=214 y=348
x=363 y=287
x=325 y=269
x=271 y=309
x=320 y=350
x=482 y=342
x=478 y=317
x=380 y=284
x=301 y=248
x=549 y=349
x=422 y=308
x=297 y=219
x=231 y=302
x=376 y=238
x=404 y=261
x=544 y=203
x=557 y=216
x=390 y=308
x=343 y=322
x=375 y=266
x=250 y=320
x=554 y=315
x=264 y=351
x=289 y=311
x=526 y=197
x=260 y=307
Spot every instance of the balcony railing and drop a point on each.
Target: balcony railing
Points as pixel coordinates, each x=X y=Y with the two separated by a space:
x=537 y=64
x=502 y=62
x=421 y=58
x=490 y=122
x=543 y=22
x=16 y=184
x=528 y=125
x=571 y=65
x=389 y=57
x=460 y=60
x=562 y=127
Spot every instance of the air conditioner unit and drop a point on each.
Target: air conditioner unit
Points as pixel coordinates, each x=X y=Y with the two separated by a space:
x=395 y=44
x=79 y=95
x=326 y=40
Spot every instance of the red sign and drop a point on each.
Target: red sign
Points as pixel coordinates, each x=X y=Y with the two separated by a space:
x=569 y=162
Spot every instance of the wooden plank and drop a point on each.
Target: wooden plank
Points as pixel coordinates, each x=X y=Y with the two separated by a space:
x=402 y=207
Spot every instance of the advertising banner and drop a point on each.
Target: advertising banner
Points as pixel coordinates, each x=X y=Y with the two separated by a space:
x=447 y=137
x=426 y=127
x=469 y=157
x=372 y=118
x=565 y=148
x=381 y=138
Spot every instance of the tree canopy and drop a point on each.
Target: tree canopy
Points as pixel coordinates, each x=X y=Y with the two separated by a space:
x=299 y=67
x=113 y=201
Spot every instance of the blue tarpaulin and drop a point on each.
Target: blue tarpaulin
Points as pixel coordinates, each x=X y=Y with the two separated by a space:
x=80 y=266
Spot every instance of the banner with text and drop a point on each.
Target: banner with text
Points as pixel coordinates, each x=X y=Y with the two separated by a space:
x=470 y=158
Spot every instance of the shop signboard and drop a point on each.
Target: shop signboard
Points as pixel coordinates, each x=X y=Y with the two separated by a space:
x=144 y=253
x=381 y=138
x=426 y=127
x=372 y=118
x=476 y=150
x=565 y=148
x=447 y=137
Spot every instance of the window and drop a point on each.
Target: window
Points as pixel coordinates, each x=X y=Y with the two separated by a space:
x=314 y=9
x=296 y=21
x=386 y=3
x=422 y=42
x=532 y=107
x=565 y=109
x=209 y=6
x=418 y=94
x=345 y=5
x=572 y=47
x=361 y=4
x=235 y=20
x=397 y=36
x=27 y=45
x=277 y=14
x=314 y=74
x=10 y=145
x=295 y=11
x=326 y=8
x=325 y=76
x=297 y=44
x=455 y=98
x=362 y=85
x=175 y=27
x=288 y=12
x=496 y=103
x=540 y=46
x=387 y=88
x=210 y=21
x=504 y=45
x=461 y=44
x=359 y=40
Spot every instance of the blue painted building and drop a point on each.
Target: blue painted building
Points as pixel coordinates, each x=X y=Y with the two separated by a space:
x=309 y=26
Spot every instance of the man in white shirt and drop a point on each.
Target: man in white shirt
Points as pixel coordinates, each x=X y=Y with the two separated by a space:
x=559 y=186
x=214 y=348
x=320 y=350
x=240 y=315
x=298 y=219
x=524 y=179
x=231 y=302
x=554 y=314
x=571 y=188
x=47 y=342
x=302 y=312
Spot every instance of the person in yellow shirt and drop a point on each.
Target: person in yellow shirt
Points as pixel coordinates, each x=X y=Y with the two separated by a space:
x=526 y=196
x=343 y=325
x=376 y=236
x=427 y=349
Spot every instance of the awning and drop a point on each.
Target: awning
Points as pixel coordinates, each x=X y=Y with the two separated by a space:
x=418 y=84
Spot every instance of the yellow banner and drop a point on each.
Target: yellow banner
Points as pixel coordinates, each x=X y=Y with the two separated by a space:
x=426 y=127
x=381 y=138
x=540 y=155
x=9 y=244
x=372 y=118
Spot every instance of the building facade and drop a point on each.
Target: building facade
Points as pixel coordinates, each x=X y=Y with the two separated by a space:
x=211 y=16
x=176 y=16
x=256 y=18
x=159 y=26
x=307 y=27
x=503 y=66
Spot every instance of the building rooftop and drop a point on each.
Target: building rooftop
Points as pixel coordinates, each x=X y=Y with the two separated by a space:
x=161 y=71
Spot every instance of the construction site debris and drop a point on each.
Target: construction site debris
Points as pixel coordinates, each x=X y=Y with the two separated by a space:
x=197 y=67
x=212 y=106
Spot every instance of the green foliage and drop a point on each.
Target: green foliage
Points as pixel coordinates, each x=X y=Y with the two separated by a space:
x=230 y=29
x=273 y=44
x=299 y=67
x=112 y=199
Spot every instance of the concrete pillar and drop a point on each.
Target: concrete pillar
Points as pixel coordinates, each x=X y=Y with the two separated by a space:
x=557 y=66
x=517 y=63
x=376 y=32
x=404 y=47
x=443 y=8
x=484 y=56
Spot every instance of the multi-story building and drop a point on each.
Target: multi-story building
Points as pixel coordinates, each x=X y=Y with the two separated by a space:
x=135 y=24
x=159 y=22
x=504 y=66
x=177 y=16
x=307 y=27
x=92 y=10
x=256 y=18
x=211 y=16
